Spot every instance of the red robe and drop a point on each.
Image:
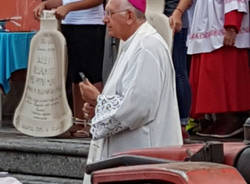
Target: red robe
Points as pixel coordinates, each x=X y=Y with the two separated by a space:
x=220 y=80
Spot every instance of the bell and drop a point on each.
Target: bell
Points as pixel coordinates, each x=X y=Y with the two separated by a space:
x=44 y=110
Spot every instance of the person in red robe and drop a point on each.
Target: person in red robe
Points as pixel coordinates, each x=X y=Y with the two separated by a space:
x=220 y=74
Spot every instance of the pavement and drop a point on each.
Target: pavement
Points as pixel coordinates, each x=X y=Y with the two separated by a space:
x=42 y=160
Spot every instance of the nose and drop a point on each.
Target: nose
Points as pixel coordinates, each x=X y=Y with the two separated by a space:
x=105 y=19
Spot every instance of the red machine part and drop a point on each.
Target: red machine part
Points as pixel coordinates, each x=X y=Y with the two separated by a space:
x=171 y=173
x=180 y=153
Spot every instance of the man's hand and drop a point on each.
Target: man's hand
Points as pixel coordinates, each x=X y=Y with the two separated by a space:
x=89 y=92
x=38 y=10
x=88 y=111
x=230 y=36
x=61 y=12
x=176 y=21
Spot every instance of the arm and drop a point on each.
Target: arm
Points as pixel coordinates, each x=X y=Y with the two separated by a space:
x=175 y=19
x=62 y=11
x=88 y=111
x=232 y=26
x=80 y=5
x=50 y=4
x=46 y=5
x=233 y=19
x=89 y=92
x=135 y=104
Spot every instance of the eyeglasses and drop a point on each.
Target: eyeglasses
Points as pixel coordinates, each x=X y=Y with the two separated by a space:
x=109 y=13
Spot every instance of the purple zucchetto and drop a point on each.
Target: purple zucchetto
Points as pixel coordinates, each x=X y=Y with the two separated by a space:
x=139 y=4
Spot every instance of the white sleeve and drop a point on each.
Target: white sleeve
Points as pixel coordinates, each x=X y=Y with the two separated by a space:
x=239 y=5
x=136 y=104
x=103 y=124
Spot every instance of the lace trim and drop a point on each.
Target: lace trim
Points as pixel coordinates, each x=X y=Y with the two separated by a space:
x=106 y=129
x=103 y=124
x=240 y=1
x=221 y=32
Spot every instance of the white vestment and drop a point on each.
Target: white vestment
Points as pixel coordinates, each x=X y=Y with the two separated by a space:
x=207 y=27
x=138 y=106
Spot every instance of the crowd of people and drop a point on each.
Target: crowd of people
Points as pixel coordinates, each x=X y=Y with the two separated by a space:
x=152 y=93
x=217 y=42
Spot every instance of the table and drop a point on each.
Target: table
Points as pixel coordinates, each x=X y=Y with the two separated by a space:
x=14 y=51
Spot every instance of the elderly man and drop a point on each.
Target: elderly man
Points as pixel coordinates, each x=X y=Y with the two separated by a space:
x=138 y=106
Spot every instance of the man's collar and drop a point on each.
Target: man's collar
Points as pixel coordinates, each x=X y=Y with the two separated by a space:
x=129 y=40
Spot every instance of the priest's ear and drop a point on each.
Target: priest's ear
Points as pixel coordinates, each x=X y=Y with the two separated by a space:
x=131 y=17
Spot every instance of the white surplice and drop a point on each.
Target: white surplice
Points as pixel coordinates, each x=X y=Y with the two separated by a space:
x=207 y=27
x=138 y=106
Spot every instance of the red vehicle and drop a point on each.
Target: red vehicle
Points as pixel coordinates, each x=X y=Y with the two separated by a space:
x=211 y=163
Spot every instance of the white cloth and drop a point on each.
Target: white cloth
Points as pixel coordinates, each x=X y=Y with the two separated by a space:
x=91 y=16
x=9 y=180
x=207 y=27
x=138 y=106
x=190 y=13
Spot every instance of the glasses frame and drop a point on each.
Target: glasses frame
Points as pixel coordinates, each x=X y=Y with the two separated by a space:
x=109 y=13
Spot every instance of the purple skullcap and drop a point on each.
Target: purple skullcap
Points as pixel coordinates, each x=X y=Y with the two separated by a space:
x=139 y=4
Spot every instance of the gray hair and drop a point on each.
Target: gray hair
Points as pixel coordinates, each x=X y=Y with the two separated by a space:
x=125 y=4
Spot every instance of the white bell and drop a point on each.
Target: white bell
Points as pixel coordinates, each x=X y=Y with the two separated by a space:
x=44 y=110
